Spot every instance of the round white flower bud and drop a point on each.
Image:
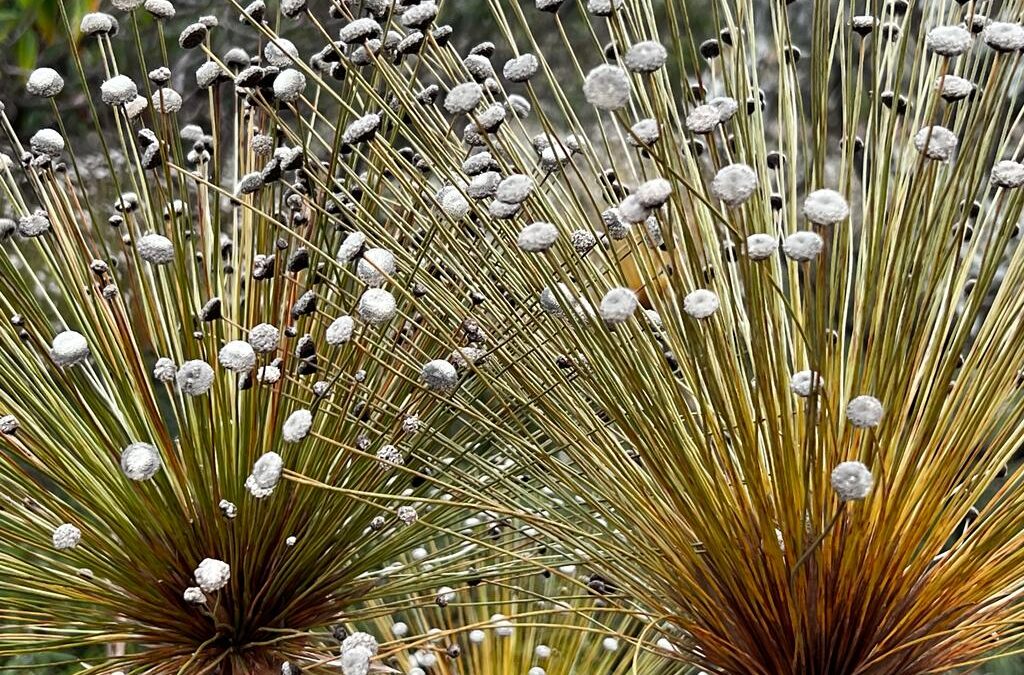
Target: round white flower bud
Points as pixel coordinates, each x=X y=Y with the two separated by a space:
x=803 y=246
x=237 y=356
x=355 y=661
x=351 y=247
x=805 y=382
x=1004 y=37
x=194 y=595
x=268 y=374
x=654 y=193
x=826 y=207
x=297 y=426
x=521 y=68
x=375 y=266
x=281 y=53
x=502 y=626
x=399 y=629
x=618 y=305
x=340 y=330
x=954 y=87
x=47 y=142
x=266 y=473
x=734 y=184
x=140 y=461
x=377 y=306
x=264 y=338
x=289 y=85
x=44 y=82
x=864 y=412
x=646 y=57
x=160 y=9
x=537 y=237
x=462 y=98
x=477 y=636
x=703 y=119
x=194 y=377
x=156 y=249
x=164 y=369
x=542 y=652
x=514 y=189
x=69 y=348
x=407 y=514
x=360 y=640
x=1008 y=174
x=166 y=101
x=66 y=536
x=118 y=90
x=439 y=375
x=701 y=303
x=607 y=87
x=610 y=644
x=212 y=575
x=938 y=143
x=948 y=40
x=761 y=246
x=852 y=481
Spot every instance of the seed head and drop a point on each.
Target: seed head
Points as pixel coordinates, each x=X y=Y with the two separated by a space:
x=761 y=246
x=212 y=575
x=297 y=426
x=160 y=10
x=66 y=536
x=47 y=142
x=266 y=473
x=618 y=305
x=803 y=246
x=360 y=30
x=375 y=266
x=948 y=40
x=194 y=595
x=514 y=189
x=654 y=193
x=852 y=481
x=194 y=377
x=355 y=661
x=407 y=514
x=45 y=83
x=389 y=454
x=420 y=15
x=361 y=130
x=164 y=370
x=439 y=375
x=33 y=225
x=938 y=143
x=289 y=85
x=377 y=306
x=537 y=237
x=1008 y=174
x=463 y=98
x=703 y=119
x=237 y=356
x=69 y=348
x=1004 y=37
x=281 y=53
x=351 y=247
x=607 y=87
x=268 y=374
x=156 y=249
x=644 y=133
x=954 y=87
x=864 y=412
x=645 y=57
x=264 y=338
x=140 y=461
x=521 y=68
x=734 y=184
x=701 y=303
x=118 y=90
x=826 y=207
x=805 y=382
x=98 y=23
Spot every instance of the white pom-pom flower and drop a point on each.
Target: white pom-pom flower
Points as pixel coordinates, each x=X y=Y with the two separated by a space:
x=1003 y=36
x=852 y=481
x=340 y=330
x=45 y=83
x=212 y=575
x=803 y=246
x=701 y=303
x=864 y=412
x=1008 y=174
x=761 y=246
x=66 y=536
x=166 y=101
x=266 y=473
x=805 y=383
x=194 y=595
x=355 y=661
x=462 y=98
x=194 y=377
x=281 y=53
x=826 y=207
x=646 y=57
x=297 y=426
x=118 y=90
x=439 y=375
x=618 y=305
x=140 y=461
x=264 y=338
x=537 y=237
x=375 y=266
x=938 y=143
x=607 y=87
x=734 y=184
x=948 y=40
x=377 y=306
x=237 y=356
x=289 y=85
x=156 y=249
x=164 y=369
x=69 y=348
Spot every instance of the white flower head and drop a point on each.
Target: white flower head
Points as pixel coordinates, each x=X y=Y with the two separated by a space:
x=266 y=473
x=1008 y=174
x=47 y=142
x=703 y=119
x=948 y=40
x=45 y=83
x=514 y=189
x=166 y=100
x=537 y=237
x=521 y=68
x=340 y=330
x=297 y=426
x=803 y=246
x=826 y=207
x=66 y=536
x=805 y=382
x=356 y=661
x=281 y=53
x=268 y=374
x=237 y=356
x=156 y=249
x=164 y=370
x=118 y=90
x=938 y=143
x=194 y=377
x=140 y=461
x=734 y=184
x=1003 y=36
x=439 y=375
x=701 y=303
x=852 y=481
x=375 y=266
x=864 y=412
x=618 y=305
x=69 y=348
x=646 y=57
x=407 y=514
x=377 y=306
x=654 y=193
x=607 y=87
x=462 y=98
x=350 y=248
x=360 y=640
x=194 y=595
x=212 y=575
x=264 y=338
x=761 y=246
x=289 y=85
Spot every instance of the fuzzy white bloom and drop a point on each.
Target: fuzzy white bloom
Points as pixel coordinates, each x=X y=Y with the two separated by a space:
x=194 y=595
x=938 y=143
x=355 y=661
x=194 y=377
x=701 y=303
x=644 y=133
x=69 y=348
x=425 y=658
x=237 y=356
x=803 y=246
x=264 y=338
x=537 y=237
x=761 y=246
x=160 y=9
x=212 y=575
x=1008 y=174
x=9 y=424
x=407 y=514
x=281 y=53
x=164 y=369
x=954 y=87
x=97 y=23
x=734 y=184
x=156 y=249
x=33 y=224
x=439 y=375
x=44 y=82
x=375 y=266
x=140 y=461
x=127 y=5
x=805 y=382
x=477 y=636
x=703 y=119
x=268 y=374
x=361 y=130
x=118 y=90
x=1004 y=37
x=340 y=330
x=136 y=106
x=725 y=106
x=852 y=481
x=607 y=87
x=462 y=98
x=360 y=640
x=536 y=670
x=864 y=412
x=350 y=248
x=66 y=536
x=521 y=68
x=377 y=306
x=826 y=207
x=542 y=652
x=514 y=189
x=228 y=509
x=399 y=629
x=456 y=206
x=165 y=100
x=654 y=193
x=618 y=305
x=610 y=644
x=948 y=40
x=389 y=454
x=502 y=626
x=297 y=426
x=47 y=142
x=266 y=473
x=289 y=85
x=646 y=57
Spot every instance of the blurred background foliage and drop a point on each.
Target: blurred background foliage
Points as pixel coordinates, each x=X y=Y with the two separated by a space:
x=32 y=35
